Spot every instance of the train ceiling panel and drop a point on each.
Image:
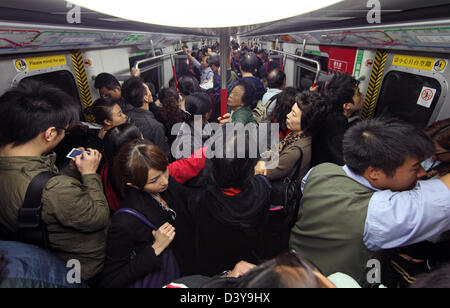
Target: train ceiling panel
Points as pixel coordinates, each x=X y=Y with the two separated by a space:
x=29 y=25
x=433 y=38
x=21 y=40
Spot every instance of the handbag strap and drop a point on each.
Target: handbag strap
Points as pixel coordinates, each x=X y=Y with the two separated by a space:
x=297 y=165
x=137 y=215
x=30 y=212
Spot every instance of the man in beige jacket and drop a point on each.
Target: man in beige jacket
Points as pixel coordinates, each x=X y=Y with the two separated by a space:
x=33 y=120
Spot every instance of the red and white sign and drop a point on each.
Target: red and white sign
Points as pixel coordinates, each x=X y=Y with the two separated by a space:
x=337 y=65
x=426 y=97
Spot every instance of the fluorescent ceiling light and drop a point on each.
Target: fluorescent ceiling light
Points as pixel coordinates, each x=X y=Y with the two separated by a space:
x=203 y=14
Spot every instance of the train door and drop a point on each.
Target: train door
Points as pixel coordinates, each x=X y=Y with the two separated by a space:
x=60 y=69
x=413 y=87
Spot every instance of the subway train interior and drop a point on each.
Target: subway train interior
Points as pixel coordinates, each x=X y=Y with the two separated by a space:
x=398 y=50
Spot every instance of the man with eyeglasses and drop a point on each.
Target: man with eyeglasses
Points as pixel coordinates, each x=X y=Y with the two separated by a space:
x=34 y=118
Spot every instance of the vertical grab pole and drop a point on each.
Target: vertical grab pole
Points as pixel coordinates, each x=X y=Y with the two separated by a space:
x=303 y=48
x=174 y=71
x=153 y=48
x=284 y=62
x=224 y=63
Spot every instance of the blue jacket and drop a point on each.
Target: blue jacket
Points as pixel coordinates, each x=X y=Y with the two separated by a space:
x=29 y=266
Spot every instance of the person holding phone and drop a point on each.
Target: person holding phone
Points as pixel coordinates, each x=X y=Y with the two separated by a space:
x=34 y=119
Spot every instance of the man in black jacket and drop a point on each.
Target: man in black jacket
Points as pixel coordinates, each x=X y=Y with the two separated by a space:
x=138 y=95
x=345 y=101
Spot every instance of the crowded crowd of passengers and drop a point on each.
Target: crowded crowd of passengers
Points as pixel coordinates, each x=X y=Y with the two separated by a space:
x=143 y=205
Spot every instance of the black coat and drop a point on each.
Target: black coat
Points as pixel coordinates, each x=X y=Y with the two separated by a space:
x=327 y=144
x=228 y=228
x=150 y=128
x=127 y=234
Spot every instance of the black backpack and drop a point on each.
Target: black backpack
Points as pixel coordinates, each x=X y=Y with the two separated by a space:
x=32 y=229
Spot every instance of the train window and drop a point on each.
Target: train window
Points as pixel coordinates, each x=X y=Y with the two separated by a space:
x=61 y=79
x=182 y=66
x=409 y=97
x=305 y=71
x=276 y=61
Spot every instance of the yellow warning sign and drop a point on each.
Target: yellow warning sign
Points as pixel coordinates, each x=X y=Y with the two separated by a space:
x=40 y=62
x=420 y=63
x=440 y=65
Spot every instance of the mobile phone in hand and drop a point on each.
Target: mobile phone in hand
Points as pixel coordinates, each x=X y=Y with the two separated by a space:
x=75 y=152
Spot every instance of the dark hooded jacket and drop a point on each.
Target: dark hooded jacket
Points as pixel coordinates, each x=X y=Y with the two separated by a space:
x=228 y=227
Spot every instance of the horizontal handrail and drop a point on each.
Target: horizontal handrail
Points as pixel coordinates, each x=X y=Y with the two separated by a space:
x=317 y=63
x=136 y=65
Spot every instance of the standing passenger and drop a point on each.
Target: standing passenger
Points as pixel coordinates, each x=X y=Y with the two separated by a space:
x=373 y=203
x=230 y=215
x=33 y=120
x=138 y=94
x=109 y=87
x=138 y=254
x=345 y=101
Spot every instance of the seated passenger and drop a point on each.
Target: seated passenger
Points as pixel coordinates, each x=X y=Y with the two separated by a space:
x=33 y=120
x=28 y=266
x=230 y=214
x=152 y=253
x=109 y=87
x=375 y=202
x=345 y=101
x=138 y=94
x=439 y=164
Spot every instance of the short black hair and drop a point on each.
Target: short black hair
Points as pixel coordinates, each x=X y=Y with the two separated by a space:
x=384 y=143
x=187 y=85
x=101 y=110
x=134 y=91
x=118 y=136
x=249 y=98
x=106 y=80
x=33 y=107
x=276 y=78
x=235 y=172
x=249 y=62
x=340 y=90
x=314 y=109
x=197 y=104
x=213 y=59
